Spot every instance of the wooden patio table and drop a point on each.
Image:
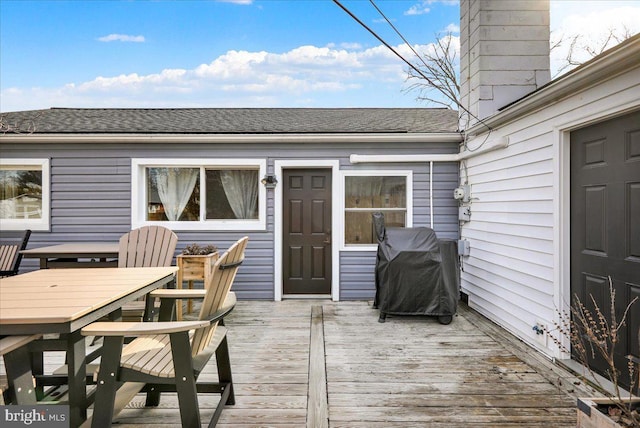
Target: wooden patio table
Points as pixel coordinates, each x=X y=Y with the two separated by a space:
x=65 y=300
x=69 y=255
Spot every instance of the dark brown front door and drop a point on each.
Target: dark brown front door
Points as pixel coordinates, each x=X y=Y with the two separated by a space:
x=605 y=222
x=307 y=231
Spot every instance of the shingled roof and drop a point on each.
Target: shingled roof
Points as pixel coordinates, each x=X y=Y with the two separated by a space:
x=233 y=120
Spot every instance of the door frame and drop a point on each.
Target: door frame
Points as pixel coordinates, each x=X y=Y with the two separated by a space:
x=336 y=220
x=562 y=210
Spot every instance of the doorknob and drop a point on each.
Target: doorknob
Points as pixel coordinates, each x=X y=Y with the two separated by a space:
x=327 y=240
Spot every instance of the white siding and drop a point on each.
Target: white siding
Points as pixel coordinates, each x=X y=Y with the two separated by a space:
x=518 y=272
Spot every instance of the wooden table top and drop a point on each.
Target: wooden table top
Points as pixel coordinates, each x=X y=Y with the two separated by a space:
x=75 y=249
x=56 y=296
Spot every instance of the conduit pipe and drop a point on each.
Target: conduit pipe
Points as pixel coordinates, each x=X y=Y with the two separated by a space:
x=454 y=157
x=415 y=158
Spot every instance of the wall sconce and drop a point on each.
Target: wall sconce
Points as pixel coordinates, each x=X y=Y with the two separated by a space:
x=269 y=181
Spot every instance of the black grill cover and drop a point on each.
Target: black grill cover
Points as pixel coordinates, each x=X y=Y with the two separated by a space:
x=416 y=273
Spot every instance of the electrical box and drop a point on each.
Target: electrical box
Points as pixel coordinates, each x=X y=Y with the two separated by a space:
x=464 y=213
x=464 y=249
x=462 y=193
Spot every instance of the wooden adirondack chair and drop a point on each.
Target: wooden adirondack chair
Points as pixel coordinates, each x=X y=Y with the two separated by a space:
x=170 y=355
x=148 y=246
x=10 y=256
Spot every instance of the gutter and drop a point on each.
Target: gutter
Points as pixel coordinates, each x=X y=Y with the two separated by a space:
x=449 y=137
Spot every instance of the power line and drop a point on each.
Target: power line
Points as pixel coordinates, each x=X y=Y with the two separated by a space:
x=382 y=41
x=411 y=65
x=406 y=42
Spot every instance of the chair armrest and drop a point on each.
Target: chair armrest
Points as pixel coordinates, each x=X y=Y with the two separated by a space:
x=140 y=328
x=11 y=343
x=176 y=293
x=227 y=307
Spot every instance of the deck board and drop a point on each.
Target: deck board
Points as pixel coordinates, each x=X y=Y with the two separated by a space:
x=406 y=372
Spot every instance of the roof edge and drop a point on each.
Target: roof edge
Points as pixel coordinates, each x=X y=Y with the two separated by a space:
x=606 y=66
x=431 y=137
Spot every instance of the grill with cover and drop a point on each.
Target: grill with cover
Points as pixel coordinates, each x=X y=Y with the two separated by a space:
x=416 y=273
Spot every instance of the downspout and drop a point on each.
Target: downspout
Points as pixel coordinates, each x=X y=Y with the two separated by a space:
x=431 y=192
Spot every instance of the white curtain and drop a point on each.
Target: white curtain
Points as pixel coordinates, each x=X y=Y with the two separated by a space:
x=241 y=188
x=8 y=208
x=175 y=186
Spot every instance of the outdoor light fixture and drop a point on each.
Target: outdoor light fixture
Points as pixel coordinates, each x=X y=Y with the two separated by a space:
x=269 y=181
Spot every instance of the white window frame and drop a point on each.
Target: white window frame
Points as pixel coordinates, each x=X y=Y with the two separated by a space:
x=139 y=186
x=408 y=174
x=41 y=224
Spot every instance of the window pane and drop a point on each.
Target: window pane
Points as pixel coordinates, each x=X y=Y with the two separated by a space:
x=375 y=192
x=173 y=194
x=232 y=194
x=20 y=193
x=359 y=227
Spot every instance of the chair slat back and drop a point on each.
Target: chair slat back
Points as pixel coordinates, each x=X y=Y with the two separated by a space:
x=7 y=256
x=10 y=256
x=148 y=246
x=220 y=281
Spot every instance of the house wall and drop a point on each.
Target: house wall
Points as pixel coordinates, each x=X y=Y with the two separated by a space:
x=518 y=271
x=91 y=199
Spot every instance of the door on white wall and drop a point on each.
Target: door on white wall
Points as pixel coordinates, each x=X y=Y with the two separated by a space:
x=605 y=223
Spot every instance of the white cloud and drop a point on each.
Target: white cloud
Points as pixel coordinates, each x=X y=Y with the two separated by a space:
x=352 y=46
x=418 y=9
x=235 y=79
x=422 y=7
x=590 y=25
x=121 y=38
x=452 y=28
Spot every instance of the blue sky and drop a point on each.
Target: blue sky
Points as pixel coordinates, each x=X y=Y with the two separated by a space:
x=240 y=53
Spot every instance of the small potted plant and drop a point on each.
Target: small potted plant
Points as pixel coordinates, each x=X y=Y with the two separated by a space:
x=198 y=250
x=593 y=334
x=194 y=265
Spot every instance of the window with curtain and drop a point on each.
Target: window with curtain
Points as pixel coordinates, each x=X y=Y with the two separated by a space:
x=232 y=194
x=367 y=194
x=199 y=197
x=24 y=195
x=172 y=194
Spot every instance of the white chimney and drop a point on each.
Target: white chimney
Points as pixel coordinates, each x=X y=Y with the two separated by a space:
x=504 y=54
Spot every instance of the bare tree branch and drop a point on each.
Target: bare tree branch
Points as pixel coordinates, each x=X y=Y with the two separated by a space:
x=580 y=49
x=21 y=125
x=438 y=65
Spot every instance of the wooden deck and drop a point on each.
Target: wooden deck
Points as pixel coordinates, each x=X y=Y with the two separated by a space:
x=323 y=364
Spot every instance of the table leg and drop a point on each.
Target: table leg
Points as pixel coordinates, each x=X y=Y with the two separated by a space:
x=19 y=376
x=37 y=368
x=77 y=378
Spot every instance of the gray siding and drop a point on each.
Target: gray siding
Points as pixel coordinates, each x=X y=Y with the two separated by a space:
x=357 y=269
x=91 y=199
